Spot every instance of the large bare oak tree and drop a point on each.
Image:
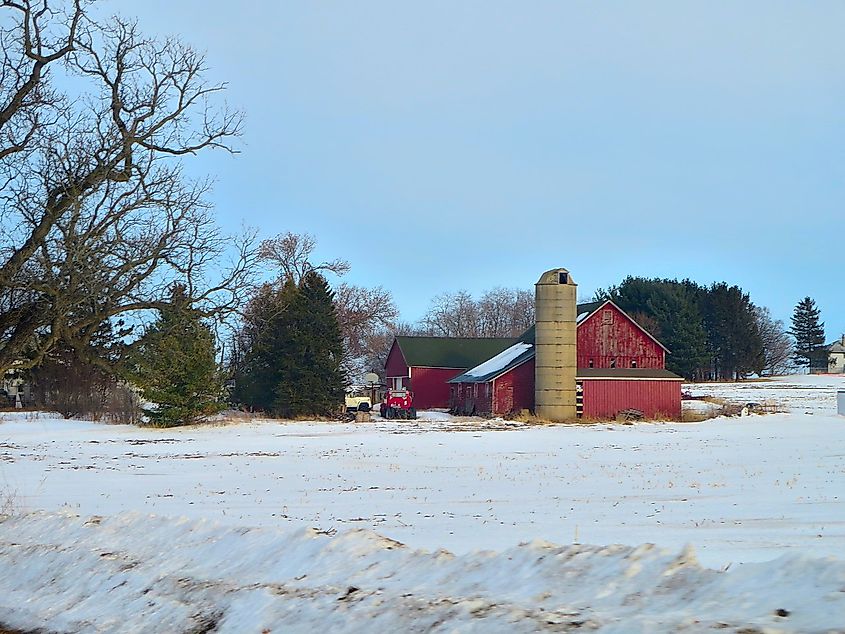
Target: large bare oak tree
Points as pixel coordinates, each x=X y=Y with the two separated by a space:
x=97 y=218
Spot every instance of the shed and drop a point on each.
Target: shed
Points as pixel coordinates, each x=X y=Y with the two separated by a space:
x=498 y=386
x=425 y=364
x=836 y=356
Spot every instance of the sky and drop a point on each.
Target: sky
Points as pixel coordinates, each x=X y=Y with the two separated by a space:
x=440 y=146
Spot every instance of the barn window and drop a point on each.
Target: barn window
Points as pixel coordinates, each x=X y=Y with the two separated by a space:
x=633 y=363
x=607 y=317
x=591 y=363
x=613 y=362
x=563 y=278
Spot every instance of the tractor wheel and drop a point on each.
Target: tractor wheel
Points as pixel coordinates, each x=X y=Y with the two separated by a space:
x=412 y=413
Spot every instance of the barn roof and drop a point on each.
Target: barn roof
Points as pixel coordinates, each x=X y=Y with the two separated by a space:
x=627 y=374
x=583 y=311
x=509 y=358
x=450 y=352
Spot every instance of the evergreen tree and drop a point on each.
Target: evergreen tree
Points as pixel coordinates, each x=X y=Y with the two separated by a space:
x=671 y=307
x=292 y=367
x=312 y=380
x=808 y=331
x=265 y=342
x=174 y=366
x=736 y=347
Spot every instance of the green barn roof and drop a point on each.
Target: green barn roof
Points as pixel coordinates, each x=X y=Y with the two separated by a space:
x=450 y=352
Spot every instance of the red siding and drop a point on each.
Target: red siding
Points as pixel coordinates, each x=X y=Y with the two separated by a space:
x=430 y=386
x=470 y=398
x=515 y=390
x=606 y=398
x=395 y=364
x=609 y=334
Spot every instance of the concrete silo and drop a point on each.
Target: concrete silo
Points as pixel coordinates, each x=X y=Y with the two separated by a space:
x=555 y=360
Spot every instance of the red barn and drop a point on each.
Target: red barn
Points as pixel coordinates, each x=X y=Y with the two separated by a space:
x=425 y=364
x=620 y=366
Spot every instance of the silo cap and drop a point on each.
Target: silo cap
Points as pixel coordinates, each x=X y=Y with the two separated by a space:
x=556 y=276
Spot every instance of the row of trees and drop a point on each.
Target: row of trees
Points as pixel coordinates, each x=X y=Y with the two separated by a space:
x=716 y=331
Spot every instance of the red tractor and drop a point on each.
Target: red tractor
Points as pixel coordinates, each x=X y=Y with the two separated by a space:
x=398 y=404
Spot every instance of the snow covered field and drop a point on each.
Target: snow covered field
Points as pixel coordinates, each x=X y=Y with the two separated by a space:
x=739 y=490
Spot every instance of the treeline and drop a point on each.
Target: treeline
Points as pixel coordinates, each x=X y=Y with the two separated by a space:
x=713 y=332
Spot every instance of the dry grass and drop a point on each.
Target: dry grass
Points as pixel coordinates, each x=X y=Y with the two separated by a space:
x=8 y=503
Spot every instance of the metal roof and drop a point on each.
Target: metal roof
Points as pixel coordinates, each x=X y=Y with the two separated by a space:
x=450 y=352
x=489 y=376
x=627 y=373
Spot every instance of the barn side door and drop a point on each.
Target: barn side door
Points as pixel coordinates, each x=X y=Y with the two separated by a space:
x=508 y=400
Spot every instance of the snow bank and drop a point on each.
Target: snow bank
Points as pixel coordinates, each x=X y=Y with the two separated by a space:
x=137 y=573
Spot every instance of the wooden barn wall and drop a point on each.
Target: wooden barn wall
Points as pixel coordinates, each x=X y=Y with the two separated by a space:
x=606 y=398
x=430 y=386
x=471 y=398
x=608 y=334
x=515 y=390
x=395 y=364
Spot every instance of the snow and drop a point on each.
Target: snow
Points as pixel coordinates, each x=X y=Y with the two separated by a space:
x=500 y=361
x=135 y=573
x=807 y=393
x=221 y=521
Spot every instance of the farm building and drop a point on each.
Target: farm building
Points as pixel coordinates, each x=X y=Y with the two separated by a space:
x=578 y=361
x=620 y=366
x=836 y=356
x=424 y=365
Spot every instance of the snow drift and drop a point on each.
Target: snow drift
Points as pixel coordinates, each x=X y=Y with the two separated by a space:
x=134 y=573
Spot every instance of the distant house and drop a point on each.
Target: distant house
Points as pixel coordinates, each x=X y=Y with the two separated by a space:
x=425 y=364
x=621 y=366
x=836 y=356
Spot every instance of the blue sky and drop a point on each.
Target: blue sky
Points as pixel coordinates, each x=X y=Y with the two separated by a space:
x=463 y=145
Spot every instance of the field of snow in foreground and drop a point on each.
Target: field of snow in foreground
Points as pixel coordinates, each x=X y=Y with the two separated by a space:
x=134 y=573
x=741 y=489
x=251 y=496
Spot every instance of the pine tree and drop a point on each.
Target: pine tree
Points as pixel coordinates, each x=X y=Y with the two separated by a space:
x=174 y=366
x=292 y=366
x=808 y=332
x=266 y=341
x=734 y=338
x=311 y=381
x=671 y=305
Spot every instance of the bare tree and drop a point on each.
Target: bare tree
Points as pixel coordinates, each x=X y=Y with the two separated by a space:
x=98 y=219
x=377 y=345
x=452 y=315
x=291 y=253
x=501 y=312
x=362 y=312
x=777 y=345
x=505 y=312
